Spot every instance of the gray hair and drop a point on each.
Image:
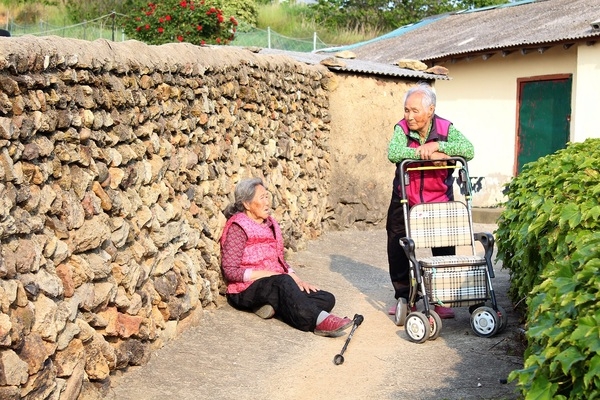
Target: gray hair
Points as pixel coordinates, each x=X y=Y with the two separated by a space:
x=426 y=90
x=244 y=192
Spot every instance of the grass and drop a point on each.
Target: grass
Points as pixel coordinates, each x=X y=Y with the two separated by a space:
x=292 y=22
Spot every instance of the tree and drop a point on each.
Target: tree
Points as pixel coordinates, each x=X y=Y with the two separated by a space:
x=80 y=10
x=385 y=14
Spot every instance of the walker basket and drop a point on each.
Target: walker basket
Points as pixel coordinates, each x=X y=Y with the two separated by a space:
x=456 y=286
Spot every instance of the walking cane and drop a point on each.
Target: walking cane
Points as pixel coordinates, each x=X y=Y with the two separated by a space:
x=339 y=358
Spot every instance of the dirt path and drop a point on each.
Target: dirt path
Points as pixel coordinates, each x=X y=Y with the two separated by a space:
x=235 y=355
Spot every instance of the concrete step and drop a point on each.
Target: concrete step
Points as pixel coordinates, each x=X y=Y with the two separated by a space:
x=486 y=215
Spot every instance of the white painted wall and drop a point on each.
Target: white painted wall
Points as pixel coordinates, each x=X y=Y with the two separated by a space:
x=586 y=92
x=481 y=101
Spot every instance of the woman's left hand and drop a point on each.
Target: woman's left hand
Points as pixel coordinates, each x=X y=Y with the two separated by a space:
x=427 y=150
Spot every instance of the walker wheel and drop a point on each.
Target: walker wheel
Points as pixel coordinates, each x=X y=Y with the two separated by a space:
x=503 y=319
x=417 y=327
x=401 y=310
x=435 y=322
x=485 y=321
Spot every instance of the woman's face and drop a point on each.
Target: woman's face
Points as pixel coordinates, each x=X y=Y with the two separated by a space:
x=417 y=116
x=260 y=207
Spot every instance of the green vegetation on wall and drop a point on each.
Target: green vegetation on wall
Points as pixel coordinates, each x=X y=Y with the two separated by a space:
x=548 y=238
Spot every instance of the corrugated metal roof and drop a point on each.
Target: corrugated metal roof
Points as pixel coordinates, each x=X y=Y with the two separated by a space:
x=357 y=66
x=515 y=25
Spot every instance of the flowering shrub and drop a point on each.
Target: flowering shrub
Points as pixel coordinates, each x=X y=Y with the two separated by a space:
x=190 y=21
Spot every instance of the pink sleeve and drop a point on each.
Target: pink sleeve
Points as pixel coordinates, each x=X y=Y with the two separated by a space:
x=232 y=253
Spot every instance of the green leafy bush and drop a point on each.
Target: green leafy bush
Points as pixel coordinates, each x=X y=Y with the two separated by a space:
x=553 y=204
x=549 y=238
x=190 y=21
x=562 y=360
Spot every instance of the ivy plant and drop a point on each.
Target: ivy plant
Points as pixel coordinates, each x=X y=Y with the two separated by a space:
x=551 y=206
x=562 y=360
x=549 y=239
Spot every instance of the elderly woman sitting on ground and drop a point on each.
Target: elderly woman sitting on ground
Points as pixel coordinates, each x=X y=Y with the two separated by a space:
x=258 y=278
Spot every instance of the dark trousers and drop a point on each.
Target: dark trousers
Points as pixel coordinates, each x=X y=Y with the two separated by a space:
x=292 y=305
x=399 y=265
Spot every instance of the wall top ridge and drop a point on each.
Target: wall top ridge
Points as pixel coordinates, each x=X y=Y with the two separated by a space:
x=28 y=54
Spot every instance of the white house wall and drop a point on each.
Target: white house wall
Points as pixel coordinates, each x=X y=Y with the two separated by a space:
x=481 y=101
x=586 y=92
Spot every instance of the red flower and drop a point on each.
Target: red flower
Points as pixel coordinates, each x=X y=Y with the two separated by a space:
x=168 y=18
x=218 y=40
x=139 y=28
x=183 y=3
x=160 y=29
x=220 y=18
x=199 y=28
x=161 y=20
x=180 y=38
x=192 y=7
x=147 y=26
x=202 y=42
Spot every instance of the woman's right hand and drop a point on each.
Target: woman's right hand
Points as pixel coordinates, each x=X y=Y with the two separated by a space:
x=257 y=274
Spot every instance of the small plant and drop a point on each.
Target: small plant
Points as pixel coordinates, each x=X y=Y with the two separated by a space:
x=189 y=21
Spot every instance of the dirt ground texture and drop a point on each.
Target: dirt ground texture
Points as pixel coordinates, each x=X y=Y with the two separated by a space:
x=237 y=355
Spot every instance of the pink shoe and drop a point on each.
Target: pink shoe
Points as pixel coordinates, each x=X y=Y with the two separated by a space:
x=332 y=325
x=444 y=312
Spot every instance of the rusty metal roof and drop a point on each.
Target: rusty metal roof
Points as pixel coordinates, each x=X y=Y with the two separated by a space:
x=357 y=66
x=522 y=24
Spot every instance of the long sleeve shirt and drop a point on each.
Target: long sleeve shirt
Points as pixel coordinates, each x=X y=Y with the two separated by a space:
x=457 y=145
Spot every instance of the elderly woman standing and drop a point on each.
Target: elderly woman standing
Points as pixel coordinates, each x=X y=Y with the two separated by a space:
x=258 y=278
x=423 y=135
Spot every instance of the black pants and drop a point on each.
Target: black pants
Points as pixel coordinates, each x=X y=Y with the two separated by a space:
x=292 y=305
x=399 y=265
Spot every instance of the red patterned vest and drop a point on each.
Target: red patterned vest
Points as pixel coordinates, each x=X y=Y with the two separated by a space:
x=263 y=251
x=427 y=186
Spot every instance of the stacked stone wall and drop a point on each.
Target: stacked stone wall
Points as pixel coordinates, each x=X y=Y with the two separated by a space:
x=116 y=161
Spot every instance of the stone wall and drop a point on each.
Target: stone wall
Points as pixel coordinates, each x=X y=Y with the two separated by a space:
x=116 y=160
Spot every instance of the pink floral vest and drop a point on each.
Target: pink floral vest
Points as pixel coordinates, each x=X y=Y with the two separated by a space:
x=263 y=250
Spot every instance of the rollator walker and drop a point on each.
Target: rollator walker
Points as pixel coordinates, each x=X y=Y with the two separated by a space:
x=447 y=281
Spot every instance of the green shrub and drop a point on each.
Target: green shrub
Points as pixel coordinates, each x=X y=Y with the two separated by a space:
x=562 y=360
x=553 y=204
x=180 y=21
x=549 y=239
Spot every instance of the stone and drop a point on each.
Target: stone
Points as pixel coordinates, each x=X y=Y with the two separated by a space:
x=13 y=370
x=35 y=352
x=45 y=318
x=438 y=70
x=345 y=54
x=69 y=359
x=333 y=62
x=5 y=327
x=415 y=65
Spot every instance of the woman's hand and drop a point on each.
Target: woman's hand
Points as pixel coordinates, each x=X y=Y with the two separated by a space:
x=257 y=274
x=427 y=150
x=304 y=286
